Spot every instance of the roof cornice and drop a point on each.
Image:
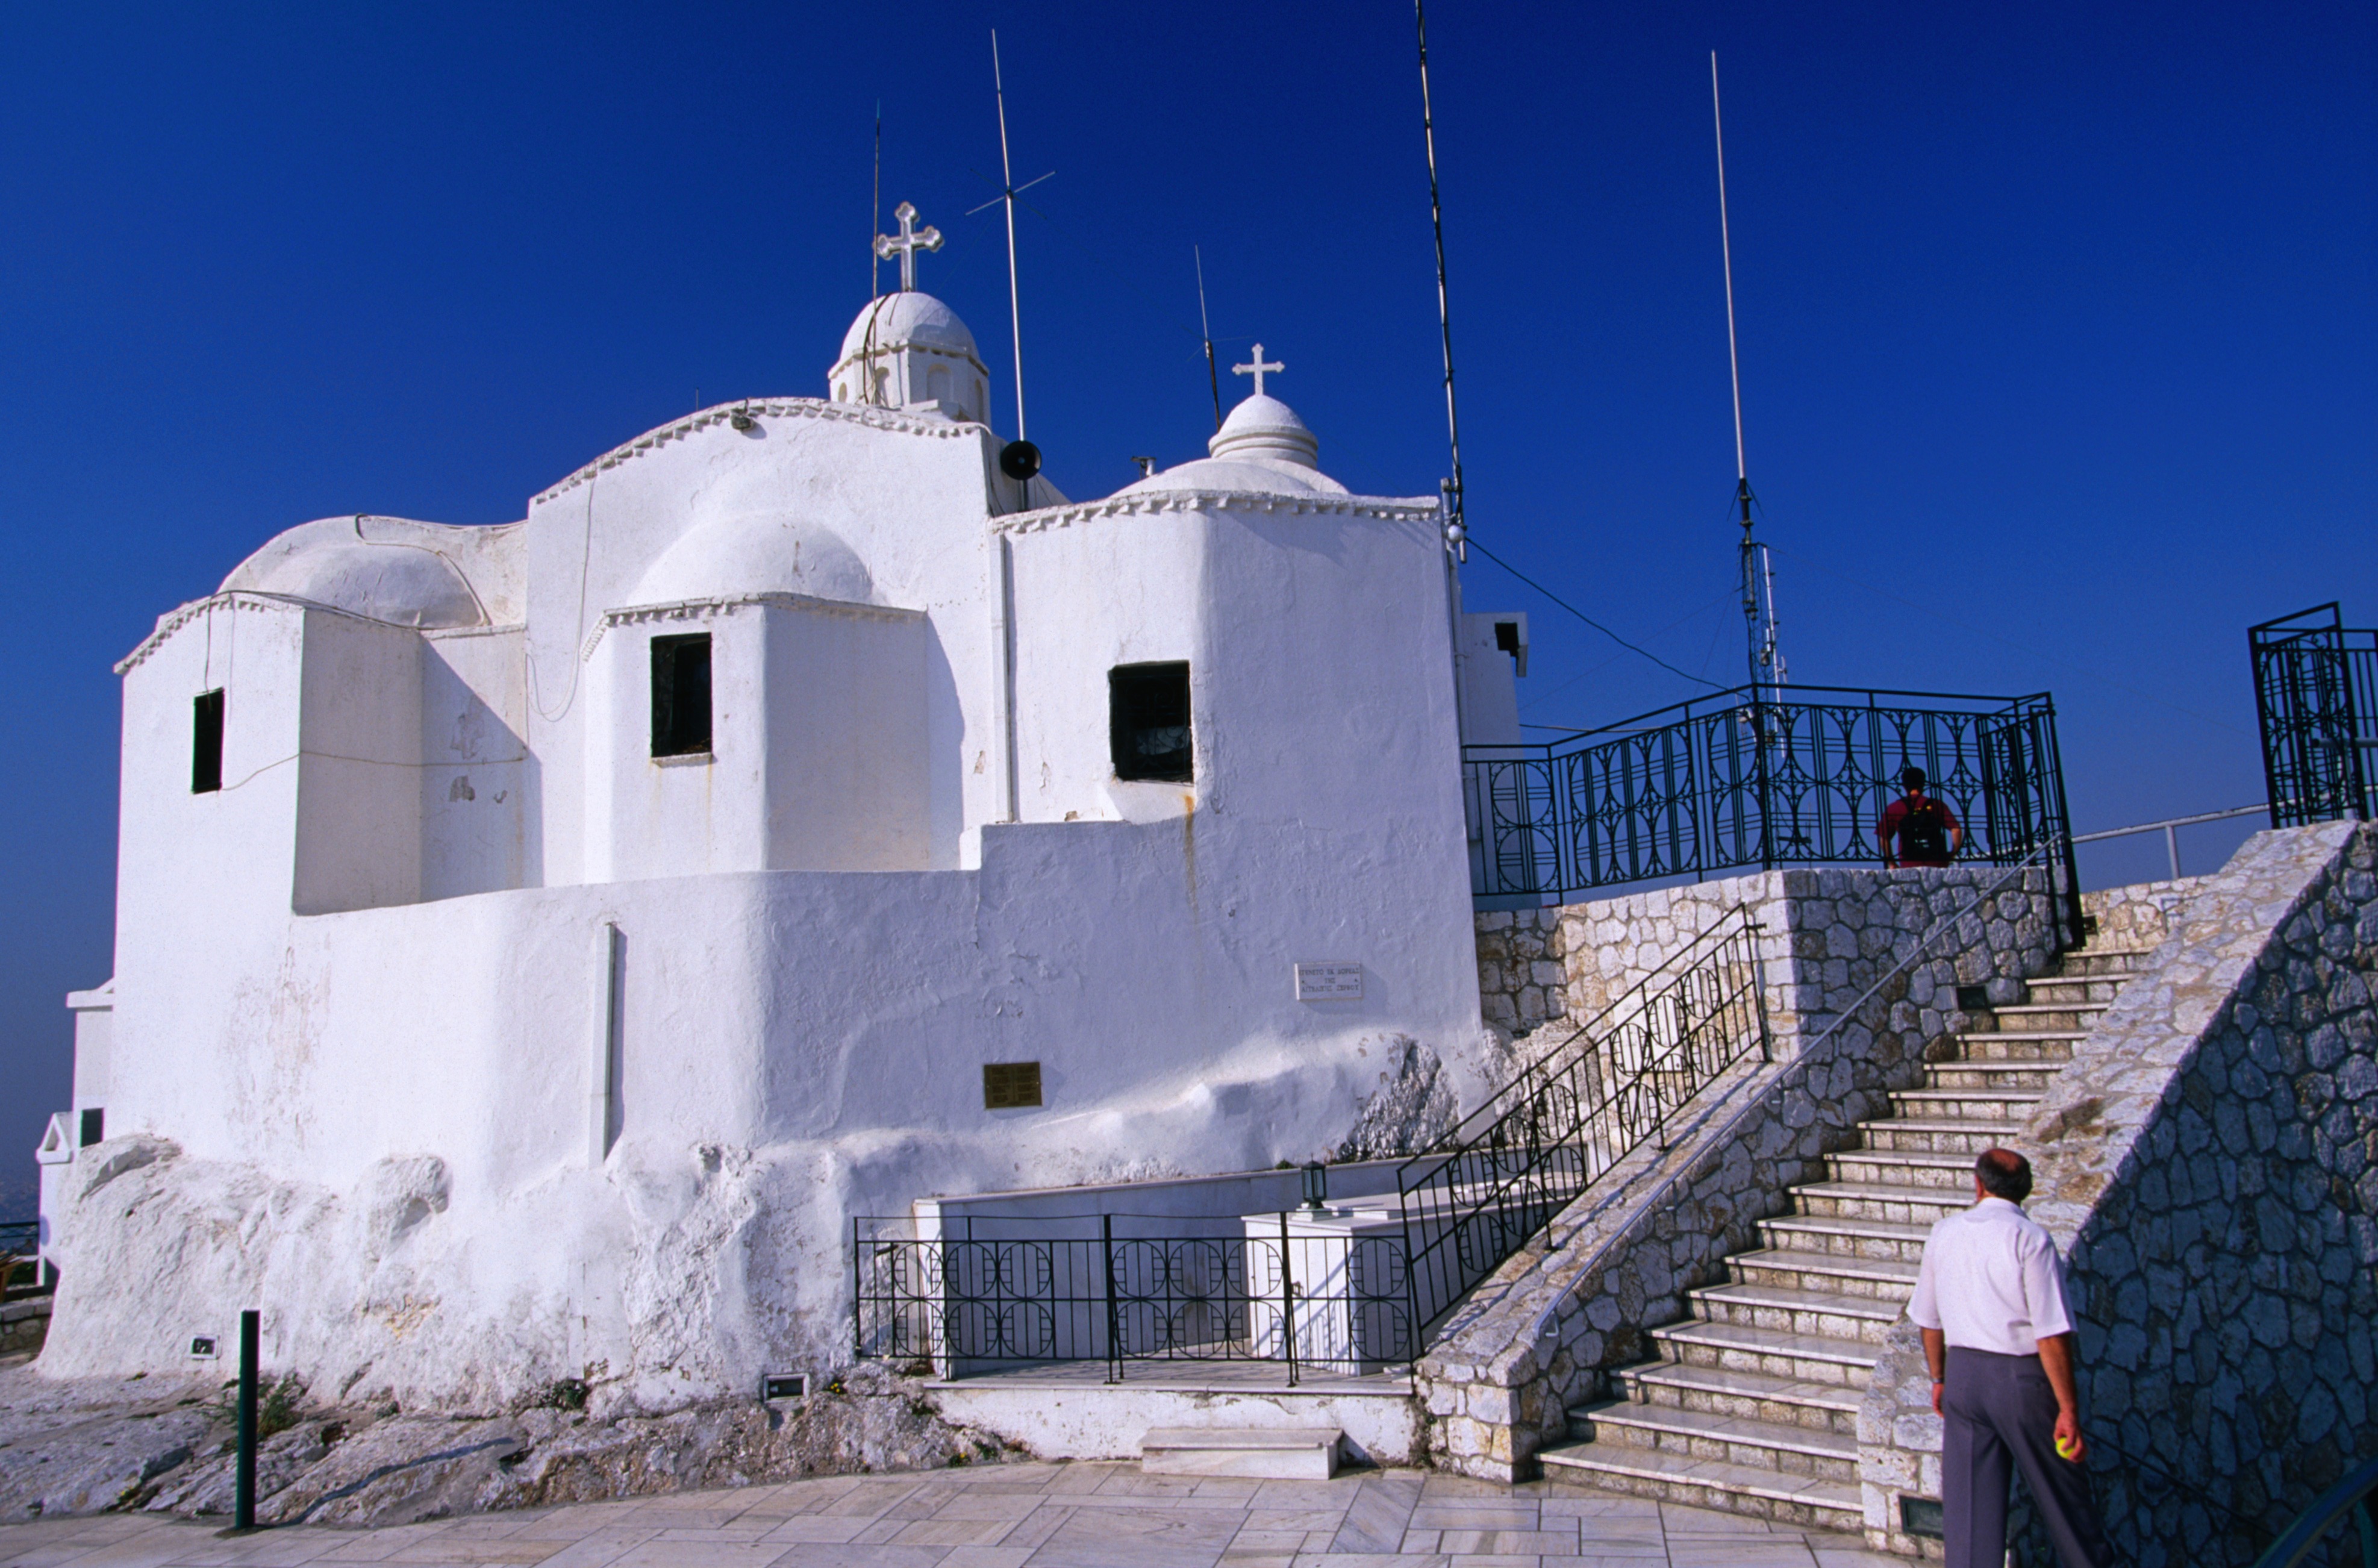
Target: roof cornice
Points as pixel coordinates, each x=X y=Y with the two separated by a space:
x=761 y=409
x=1386 y=509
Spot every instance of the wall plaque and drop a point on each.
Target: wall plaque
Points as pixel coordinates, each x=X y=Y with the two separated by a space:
x=1329 y=983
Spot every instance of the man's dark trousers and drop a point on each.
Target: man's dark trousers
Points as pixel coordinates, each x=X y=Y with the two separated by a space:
x=1998 y=1416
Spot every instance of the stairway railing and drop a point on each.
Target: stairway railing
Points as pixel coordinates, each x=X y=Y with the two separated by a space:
x=2350 y=1496
x=1614 y=1086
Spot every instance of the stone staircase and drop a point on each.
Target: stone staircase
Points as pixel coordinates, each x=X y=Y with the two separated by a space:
x=1752 y=1405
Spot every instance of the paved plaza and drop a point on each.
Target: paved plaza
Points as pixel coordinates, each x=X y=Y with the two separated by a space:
x=1071 y=1515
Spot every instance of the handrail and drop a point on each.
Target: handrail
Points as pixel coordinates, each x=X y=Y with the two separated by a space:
x=1525 y=1154
x=2350 y=1495
x=2168 y=824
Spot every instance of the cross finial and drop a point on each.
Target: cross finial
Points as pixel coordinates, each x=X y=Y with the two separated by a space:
x=1256 y=370
x=911 y=240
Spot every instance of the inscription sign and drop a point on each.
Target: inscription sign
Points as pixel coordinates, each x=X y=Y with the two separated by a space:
x=1329 y=983
x=1011 y=1086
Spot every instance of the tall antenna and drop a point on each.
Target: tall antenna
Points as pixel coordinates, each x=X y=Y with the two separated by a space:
x=1007 y=178
x=1758 y=567
x=1213 y=380
x=875 y=217
x=1455 y=530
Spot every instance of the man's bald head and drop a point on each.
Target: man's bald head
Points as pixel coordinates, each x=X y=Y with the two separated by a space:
x=2003 y=1173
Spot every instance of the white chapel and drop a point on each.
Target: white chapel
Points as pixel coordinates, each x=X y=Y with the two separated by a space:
x=536 y=944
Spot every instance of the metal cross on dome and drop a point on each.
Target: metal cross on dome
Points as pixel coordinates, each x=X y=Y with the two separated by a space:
x=911 y=240
x=1256 y=370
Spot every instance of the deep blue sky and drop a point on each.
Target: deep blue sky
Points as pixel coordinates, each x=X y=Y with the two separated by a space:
x=2057 y=322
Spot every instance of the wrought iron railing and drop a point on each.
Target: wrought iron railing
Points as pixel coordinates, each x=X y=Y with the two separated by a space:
x=1762 y=777
x=1309 y=1289
x=2316 y=704
x=1614 y=1086
x=2350 y=1499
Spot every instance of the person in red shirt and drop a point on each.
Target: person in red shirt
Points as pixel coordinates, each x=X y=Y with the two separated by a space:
x=1917 y=830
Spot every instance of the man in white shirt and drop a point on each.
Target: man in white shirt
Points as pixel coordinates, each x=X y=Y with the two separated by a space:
x=1991 y=1300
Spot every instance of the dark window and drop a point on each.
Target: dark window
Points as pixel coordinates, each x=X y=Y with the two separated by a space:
x=206 y=742
x=1149 y=721
x=94 y=1126
x=1009 y=1086
x=680 y=696
x=1507 y=637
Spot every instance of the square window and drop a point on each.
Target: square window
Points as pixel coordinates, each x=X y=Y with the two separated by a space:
x=1148 y=721
x=1011 y=1086
x=206 y=742
x=681 y=695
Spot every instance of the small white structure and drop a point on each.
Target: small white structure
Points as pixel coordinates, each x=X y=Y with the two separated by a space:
x=537 y=943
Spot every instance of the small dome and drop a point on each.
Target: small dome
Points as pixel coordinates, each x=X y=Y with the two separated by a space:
x=730 y=557
x=402 y=584
x=1267 y=429
x=907 y=318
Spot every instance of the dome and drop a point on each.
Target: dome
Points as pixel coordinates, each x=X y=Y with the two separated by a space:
x=1267 y=429
x=402 y=584
x=731 y=557
x=1262 y=448
x=904 y=318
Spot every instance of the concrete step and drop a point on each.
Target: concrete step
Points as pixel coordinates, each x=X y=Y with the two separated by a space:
x=1728 y=1440
x=1886 y=1279
x=2076 y=1015
x=1840 y=1236
x=1745 y=1347
x=1283 y=1454
x=2029 y=1078
x=1819 y=1314
x=1802 y=1500
x=1950 y=1172
x=2002 y=1106
x=1968 y=1139
x=1864 y=1200
x=1757 y=1396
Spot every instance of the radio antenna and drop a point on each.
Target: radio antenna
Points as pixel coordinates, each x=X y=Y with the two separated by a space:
x=1758 y=567
x=875 y=216
x=1007 y=179
x=1455 y=529
x=1213 y=378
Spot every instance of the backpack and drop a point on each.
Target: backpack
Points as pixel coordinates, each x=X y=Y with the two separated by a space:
x=1924 y=832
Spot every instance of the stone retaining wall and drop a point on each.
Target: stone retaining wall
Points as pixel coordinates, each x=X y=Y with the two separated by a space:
x=2209 y=1166
x=1547 y=1328
x=1522 y=982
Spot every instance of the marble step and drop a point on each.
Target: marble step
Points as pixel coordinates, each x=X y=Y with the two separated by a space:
x=2002 y=1106
x=1952 y=1137
x=2015 y=1046
x=1728 y=1440
x=1840 y=1237
x=2083 y=990
x=2094 y=961
x=1947 y=1172
x=1819 y=1314
x=1803 y=1500
x=1757 y=1396
x=1885 y=1279
x=1865 y=1200
x=2029 y=1078
x=1743 y=1348
x=1283 y=1454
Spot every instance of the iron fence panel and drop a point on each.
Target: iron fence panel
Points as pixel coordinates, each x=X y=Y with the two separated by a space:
x=2316 y=705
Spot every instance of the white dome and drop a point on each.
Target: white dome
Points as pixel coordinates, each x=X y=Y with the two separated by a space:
x=402 y=584
x=1266 y=428
x=1263 y=448
x=730 y=557
x=903 y=319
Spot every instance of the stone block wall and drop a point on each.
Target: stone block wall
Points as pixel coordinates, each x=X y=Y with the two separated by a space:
x=1861 y=972
x=2209 y=1166
x=1521 y=980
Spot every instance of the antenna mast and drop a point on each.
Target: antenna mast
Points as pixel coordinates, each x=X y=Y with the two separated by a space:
x=1758 y=567
x=1007 y=178
x=1455 y=529
x=1213 y=380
